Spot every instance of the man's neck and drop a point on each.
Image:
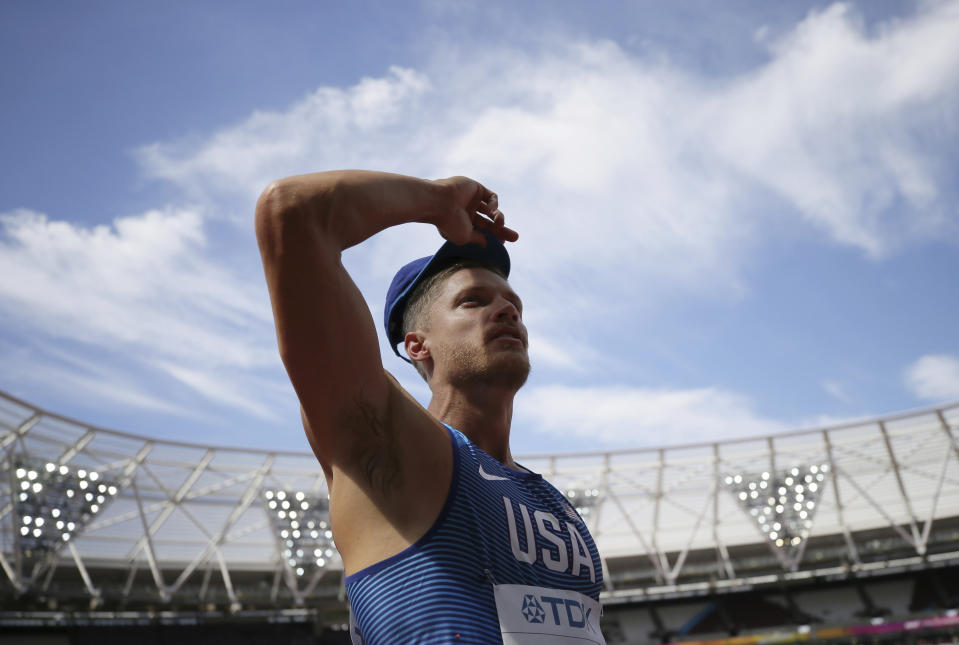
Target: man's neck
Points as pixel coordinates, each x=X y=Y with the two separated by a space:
x=482 y=413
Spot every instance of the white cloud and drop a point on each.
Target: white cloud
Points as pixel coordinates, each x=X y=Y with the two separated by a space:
x=144 y=281
x=218 y=386
x=934 y=377
x=847 y=126
x=836 y=390
x=545 y=352
x=56 y=370
x=343 y=126
x=635 y=416
x=627 y=178
x=593 y=154
x=145 y=288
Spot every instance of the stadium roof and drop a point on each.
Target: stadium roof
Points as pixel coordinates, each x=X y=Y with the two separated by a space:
x=177 y=509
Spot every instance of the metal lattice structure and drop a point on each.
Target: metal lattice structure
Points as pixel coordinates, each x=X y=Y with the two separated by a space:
x=186 y=524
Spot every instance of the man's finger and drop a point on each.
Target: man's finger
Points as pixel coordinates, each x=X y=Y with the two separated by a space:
x=492 y=203
x=495 y=215
x=491 y=210
x=503 y=233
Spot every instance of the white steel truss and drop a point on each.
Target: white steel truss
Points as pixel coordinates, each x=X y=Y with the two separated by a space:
x=185 y=512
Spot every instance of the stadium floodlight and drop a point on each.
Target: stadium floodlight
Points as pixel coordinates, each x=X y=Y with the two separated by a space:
x=54 y=504
x=781 y=505
x=584 y=500
x=302 y=525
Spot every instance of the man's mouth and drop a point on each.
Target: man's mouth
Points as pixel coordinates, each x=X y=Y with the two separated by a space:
x=508 y=334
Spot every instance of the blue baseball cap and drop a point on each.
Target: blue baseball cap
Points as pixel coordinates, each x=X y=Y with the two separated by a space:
x=406 y=279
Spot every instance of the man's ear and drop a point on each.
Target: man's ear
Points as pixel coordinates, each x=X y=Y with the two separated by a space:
x=415 y=344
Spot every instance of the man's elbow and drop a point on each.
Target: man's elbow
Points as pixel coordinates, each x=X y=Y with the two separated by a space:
x=289 y=204
x=278 y=218
x=274 y=203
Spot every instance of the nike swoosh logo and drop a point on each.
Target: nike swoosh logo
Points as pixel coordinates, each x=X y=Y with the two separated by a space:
x=492 y=478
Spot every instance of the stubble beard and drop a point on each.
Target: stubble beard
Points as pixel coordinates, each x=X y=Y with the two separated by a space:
x=503 y=369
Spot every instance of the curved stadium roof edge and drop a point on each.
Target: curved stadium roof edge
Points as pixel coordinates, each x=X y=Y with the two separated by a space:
x=852 y=423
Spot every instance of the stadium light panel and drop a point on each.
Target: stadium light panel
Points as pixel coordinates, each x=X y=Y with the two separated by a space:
x=302 y=524
x=784 y=515
x=55 y=503
x=584 y=500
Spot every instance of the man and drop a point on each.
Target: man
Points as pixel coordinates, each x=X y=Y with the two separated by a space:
x=444 y=538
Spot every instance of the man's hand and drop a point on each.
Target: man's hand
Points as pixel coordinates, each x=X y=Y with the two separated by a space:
x=472 y=206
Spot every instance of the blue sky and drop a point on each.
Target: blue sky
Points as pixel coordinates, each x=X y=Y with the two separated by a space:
x=735 y=218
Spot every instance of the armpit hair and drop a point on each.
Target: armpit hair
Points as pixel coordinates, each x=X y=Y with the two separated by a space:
x=374 y=445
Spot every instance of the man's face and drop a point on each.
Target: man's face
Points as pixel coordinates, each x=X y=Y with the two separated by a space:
x=476 y=332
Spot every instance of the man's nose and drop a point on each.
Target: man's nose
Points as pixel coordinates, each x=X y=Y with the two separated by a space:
x=507 y=311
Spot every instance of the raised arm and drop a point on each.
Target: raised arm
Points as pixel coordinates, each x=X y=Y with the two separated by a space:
x=326 y=335
x=365 y=430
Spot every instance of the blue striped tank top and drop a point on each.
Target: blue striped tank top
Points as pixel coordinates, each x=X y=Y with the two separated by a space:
x=497 y=526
